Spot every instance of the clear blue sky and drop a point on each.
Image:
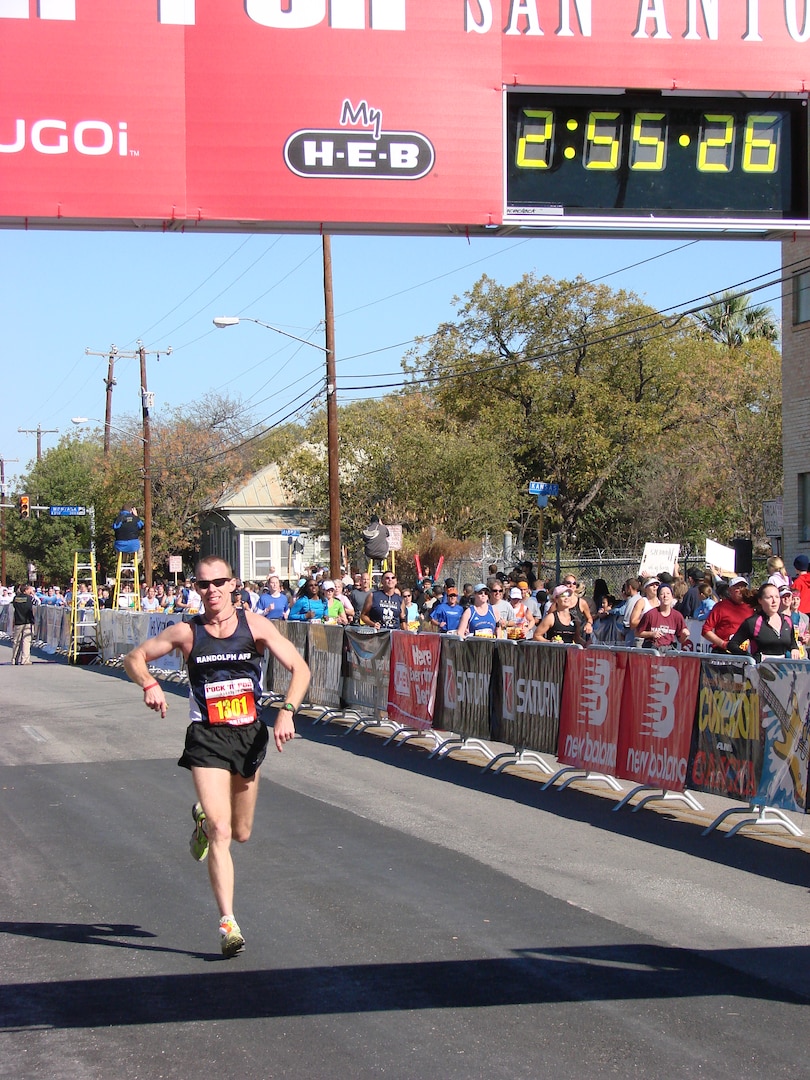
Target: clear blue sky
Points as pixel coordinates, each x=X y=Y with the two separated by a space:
x=67 y=291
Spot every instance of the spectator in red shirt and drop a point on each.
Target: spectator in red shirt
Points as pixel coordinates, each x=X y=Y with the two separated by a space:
x=662 y=626
x=802 y=582
x=727 y=616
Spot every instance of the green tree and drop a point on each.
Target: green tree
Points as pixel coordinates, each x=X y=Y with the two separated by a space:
x=732 y=321
x=576 y=380
x=403 y=458
x=67 y=474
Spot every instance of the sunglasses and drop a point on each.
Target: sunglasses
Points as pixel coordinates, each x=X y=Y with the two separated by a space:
x=493 y=590
x=218 y=582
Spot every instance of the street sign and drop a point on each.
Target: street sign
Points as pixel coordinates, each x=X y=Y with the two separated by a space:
x=67 y=511
x=538 y=487
x=290 y=532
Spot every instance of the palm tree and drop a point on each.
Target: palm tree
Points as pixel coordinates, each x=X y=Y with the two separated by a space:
x=731 y=321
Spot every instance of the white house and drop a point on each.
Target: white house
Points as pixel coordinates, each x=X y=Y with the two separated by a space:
x=256 y=528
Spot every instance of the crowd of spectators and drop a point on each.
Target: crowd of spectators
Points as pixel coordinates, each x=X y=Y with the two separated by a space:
x=652 y=612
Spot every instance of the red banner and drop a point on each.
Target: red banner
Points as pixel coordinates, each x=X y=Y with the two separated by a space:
x=414 y=677
x=591 y=708
x=657 y=717
x=235 y=113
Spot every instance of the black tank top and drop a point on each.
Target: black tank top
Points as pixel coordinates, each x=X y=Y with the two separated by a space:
x=221 y=660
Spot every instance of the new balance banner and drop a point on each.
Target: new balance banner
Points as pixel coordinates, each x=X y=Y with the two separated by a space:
x=278 y=678
x=527 y=691
x=413 y=678
x=366 y=664
x=325 y=659
x=464 y=700
x=784 y=702
x=729 y=741
x=657 y=714
x=591 y=709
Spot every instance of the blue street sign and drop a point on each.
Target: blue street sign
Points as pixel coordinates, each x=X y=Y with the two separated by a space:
x=538 y=487
x=67 y=511
x=290 y=532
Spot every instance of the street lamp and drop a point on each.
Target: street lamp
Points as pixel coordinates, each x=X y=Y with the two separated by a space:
x=222 y=321
x=147 y=488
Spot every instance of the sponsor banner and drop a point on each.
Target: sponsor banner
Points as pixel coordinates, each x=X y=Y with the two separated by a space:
x=784 y=702
x=657 y=716
x=366 y=669
x=158 y=622
x=527 y=693
x=277 y=677
x=325 y=659
x=305 y=112
x=413 y=678
x=121 y=631
x=52 y=625
x=695 y=628
x=728 y=742
x=591 y=709
x=463 y=702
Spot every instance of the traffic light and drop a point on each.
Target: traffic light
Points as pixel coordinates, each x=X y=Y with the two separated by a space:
x=25 y=507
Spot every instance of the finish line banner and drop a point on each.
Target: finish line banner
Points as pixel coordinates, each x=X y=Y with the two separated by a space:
x=729 y=740
x=414 y=677
x=657 y=716
x=528 y=688
x=591 y=709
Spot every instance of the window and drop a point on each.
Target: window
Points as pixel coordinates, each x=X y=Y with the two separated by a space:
x=804 y=507
x=801 y=297
x=261 y=558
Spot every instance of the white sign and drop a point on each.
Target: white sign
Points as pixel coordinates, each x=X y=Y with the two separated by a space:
x=394 y=537
x=723 y=558
x=772 y=517
x=658 y=559
x=175 y=564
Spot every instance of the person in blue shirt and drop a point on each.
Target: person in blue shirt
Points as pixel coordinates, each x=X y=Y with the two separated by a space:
x=273 y=603
x=308 y=605
x=446 y=616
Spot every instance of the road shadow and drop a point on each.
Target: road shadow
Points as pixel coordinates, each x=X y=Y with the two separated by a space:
x=533 y=976
x=109 y=934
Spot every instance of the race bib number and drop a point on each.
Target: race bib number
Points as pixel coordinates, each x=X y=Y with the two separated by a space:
x=230 y=702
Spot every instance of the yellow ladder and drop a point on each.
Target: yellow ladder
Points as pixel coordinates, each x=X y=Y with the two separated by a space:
x=127 y=571
x=84 y=618
x=385 y=565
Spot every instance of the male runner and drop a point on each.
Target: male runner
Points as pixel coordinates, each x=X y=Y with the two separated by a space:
x=226 y=740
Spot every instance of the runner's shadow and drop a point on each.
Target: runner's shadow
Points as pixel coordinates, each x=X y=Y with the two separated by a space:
x=109 y=934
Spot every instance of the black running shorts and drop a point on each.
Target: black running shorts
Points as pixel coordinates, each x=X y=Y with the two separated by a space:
x=219 y=746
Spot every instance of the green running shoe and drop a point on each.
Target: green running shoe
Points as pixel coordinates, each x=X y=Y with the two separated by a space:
x=230 y=937
x=198 y=844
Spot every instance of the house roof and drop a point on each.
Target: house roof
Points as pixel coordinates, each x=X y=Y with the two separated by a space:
x=262 y=491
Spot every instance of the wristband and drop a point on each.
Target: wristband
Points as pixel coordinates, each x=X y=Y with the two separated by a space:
x=289 y=707
x=150 y=685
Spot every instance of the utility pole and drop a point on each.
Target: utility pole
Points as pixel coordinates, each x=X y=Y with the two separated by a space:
x=3 y=517
x=147 y=401
x=109 y=382
x=39 y=432
x=331 y=414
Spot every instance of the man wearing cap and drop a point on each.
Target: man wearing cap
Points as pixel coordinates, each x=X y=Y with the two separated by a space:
x=727 y=615
x=446 y=616
x=802 y=582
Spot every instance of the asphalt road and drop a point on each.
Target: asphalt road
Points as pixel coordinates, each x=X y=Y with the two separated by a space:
x=404 y=918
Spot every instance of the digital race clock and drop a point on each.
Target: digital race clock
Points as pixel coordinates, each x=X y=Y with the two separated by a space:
x=636 y=155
